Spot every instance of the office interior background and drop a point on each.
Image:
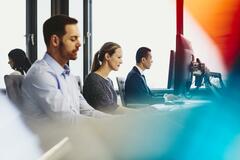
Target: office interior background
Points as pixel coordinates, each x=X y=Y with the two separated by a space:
x=212 y=27
x=132 y=24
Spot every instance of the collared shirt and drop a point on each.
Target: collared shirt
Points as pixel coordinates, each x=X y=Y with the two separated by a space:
x=140 y=70
x=51 y=89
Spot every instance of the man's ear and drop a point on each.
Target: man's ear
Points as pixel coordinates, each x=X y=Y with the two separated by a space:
x=143 y=59
x=55 y=40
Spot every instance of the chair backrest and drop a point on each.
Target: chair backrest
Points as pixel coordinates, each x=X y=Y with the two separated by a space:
x=79 y=83
x=121 y=88
x=13 y=88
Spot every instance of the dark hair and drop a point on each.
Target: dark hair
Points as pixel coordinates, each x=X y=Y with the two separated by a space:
x=108 y=47
x=142 y=52
x=56 y=25
x=21 y=62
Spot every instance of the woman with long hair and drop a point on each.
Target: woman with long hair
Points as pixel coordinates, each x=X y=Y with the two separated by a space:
x=98 y=89
x=19 y=61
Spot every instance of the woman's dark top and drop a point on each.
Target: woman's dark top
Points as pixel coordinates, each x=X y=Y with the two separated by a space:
x=99 y=93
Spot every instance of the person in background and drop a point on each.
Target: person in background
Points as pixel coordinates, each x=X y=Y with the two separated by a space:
x=19 y=61
x=49 y=88
x=136 y=88
x=98 y=89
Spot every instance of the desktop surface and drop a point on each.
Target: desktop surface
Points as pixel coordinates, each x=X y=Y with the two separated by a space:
x=180 y=104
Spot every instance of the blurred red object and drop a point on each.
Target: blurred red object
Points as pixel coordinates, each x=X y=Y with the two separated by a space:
x=221 y=21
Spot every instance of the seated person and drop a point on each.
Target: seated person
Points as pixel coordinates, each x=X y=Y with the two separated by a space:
x=49 y=89
x=98 y=89
x=136 y=88
x=18 y=61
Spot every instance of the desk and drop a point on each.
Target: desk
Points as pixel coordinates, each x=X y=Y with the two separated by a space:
x=188 y=103
x=200 y=93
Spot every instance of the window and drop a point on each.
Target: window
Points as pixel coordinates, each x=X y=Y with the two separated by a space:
x=76 y=11
x=13 y=14
x=44 y=12
x=133 y=24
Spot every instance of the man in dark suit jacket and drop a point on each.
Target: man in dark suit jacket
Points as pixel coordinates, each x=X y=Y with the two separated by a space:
x=136 y=89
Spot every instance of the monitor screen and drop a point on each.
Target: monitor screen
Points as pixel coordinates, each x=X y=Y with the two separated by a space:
x=183 y=60
x=171 y=69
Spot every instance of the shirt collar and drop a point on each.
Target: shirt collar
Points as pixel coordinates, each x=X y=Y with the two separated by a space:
x=66 y=71
x=139 y=69
x=56 y=66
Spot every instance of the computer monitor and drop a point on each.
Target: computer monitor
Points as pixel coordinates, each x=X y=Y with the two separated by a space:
x=170 y=83
x=183 y=61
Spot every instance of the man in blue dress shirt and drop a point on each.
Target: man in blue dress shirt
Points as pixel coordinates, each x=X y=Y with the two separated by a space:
x=49 y=88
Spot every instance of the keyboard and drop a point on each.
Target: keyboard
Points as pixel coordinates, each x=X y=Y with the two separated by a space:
x=180 y=104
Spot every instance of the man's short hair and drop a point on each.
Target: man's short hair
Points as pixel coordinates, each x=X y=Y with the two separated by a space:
x=56 y=25
x=142 y=52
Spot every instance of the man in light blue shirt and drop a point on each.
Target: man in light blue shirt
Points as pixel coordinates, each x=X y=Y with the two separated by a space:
x=49 y=88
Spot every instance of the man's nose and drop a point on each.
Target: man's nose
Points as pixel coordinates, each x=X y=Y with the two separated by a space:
x=79 y=44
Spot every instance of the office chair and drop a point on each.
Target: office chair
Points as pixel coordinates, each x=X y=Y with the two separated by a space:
x=121 y=88
x=79 y=83
x=13 y=85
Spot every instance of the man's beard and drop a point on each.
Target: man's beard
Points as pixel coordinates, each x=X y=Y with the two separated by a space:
x=64 y=53
x=61 y=49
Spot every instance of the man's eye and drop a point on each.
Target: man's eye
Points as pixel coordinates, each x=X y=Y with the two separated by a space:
x=74 y=39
